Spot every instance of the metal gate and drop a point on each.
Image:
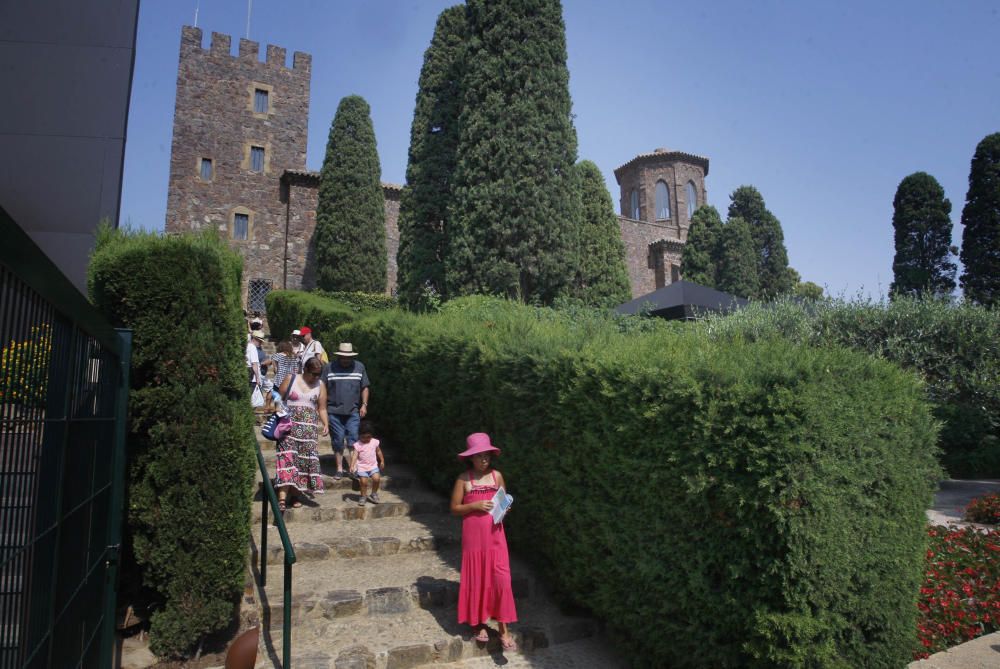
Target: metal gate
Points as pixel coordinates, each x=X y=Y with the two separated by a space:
x=63 y=395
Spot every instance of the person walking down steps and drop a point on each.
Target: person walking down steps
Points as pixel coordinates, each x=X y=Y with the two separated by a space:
x=485 y=587
x=347 y=400
x=367 y=462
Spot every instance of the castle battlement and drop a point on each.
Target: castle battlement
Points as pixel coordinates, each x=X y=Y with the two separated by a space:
x=221 y=46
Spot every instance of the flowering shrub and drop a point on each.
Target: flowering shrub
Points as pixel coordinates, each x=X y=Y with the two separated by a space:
x=960 y=597
x=24 y=368
x=984 y=509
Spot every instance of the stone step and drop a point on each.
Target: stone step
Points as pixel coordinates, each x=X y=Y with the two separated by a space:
x=376 y=585
x=419 y=637
x=379 y=536
x=590 y=653
x=339 y=504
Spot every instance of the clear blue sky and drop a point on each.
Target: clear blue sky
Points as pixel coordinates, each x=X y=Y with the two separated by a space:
x=823 y=106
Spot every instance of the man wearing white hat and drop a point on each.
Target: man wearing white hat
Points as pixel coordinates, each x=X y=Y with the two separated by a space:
x=346 y=400
x=253 y=358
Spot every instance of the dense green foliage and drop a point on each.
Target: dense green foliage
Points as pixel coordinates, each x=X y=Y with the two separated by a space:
x=981 y=218
x=701 y=250
x=350 y=210
x=601 y=277
x=289 y=310
x=773 y=276
x=955 y=348
x=736 y=271
x=779 y=516
x=361 y=302
x=921 y=221
x=190 y=441
x=515 y=208
x=808 y=290
x=423 y=210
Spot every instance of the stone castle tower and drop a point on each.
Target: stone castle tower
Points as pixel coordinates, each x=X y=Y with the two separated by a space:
x=660 y=191
x=238 y=165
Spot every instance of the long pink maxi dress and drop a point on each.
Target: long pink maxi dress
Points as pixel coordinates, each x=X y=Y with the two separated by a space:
x=484 y=590
x=297 y=461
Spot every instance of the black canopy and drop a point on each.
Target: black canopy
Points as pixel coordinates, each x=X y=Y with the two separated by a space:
x=683 y=300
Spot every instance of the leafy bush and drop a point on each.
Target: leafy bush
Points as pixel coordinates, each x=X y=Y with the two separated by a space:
x=960 y=596
x=289 y=310
x=24 y=369
x=190 y=440
x=985 y=509
x=955 y=348
x=361 y=302
x=759 y=504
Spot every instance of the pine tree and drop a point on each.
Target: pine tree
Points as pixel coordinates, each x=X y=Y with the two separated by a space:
x=423 y=211
x=768 y=241
x=602 y=278
x=981 y=220
x=350 y=212
x=515 y=207
x=737 y=267
x=922 y=224
x=701 y=251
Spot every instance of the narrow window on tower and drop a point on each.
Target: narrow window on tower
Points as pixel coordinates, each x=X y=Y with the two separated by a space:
x=634 y=202
x=257 y=158
x=241 y=226
x=260 y=101
x=206 y=169
x=662 y=201
x=692 y=199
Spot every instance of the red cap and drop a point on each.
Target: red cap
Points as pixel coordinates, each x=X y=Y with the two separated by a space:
x=305 y=331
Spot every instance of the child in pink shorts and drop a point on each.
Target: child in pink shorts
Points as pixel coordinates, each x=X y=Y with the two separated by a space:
x=367 y=462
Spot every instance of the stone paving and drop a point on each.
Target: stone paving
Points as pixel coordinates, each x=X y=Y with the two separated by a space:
x=376 y=587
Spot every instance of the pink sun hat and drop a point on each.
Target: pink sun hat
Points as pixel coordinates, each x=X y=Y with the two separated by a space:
x=478 y=442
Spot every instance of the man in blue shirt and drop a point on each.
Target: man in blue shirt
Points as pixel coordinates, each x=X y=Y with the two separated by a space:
x=347 y=400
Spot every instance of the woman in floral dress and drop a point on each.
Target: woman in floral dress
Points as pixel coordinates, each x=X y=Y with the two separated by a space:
x=297 y=465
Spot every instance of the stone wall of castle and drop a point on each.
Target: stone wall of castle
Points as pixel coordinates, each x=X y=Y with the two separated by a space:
x=302 y=193
x=215 y=119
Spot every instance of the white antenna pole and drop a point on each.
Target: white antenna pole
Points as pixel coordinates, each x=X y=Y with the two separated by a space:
x=197 y=5
x=249 y=9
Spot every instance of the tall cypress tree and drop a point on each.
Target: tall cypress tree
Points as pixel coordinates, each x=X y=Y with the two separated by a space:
x=922 y=224
x=423 y=211
x=769 y=242
x=981 y=220
x=701 y=250
x=737 y=266
x=602 y=278
x=515 y=205
x=350 y=212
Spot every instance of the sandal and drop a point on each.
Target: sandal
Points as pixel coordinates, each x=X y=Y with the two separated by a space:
x=483 y=636
x=281 y=506
x=296 y=504
x=507 y=641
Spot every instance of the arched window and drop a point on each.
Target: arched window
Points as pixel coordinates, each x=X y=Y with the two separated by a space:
x=692 y=198
x=662 y=201
x=634 y=204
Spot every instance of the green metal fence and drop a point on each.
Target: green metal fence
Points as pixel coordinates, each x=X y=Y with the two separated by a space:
x=63 y=396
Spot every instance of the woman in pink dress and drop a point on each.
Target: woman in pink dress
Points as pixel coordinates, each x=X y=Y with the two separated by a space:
x=484 y=591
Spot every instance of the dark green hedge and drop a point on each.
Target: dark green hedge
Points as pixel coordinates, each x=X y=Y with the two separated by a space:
x=289 y=310
x=361 y=302
x=954 y=347
x=717 y=503
x=190 y=443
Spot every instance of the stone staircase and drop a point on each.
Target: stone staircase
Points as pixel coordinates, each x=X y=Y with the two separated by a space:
x=376 y=587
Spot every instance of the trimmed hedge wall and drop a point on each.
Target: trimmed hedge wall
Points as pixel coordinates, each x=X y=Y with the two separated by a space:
x=288 y=310
x=717 y=503
x=954 y=348
x=190 y=443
